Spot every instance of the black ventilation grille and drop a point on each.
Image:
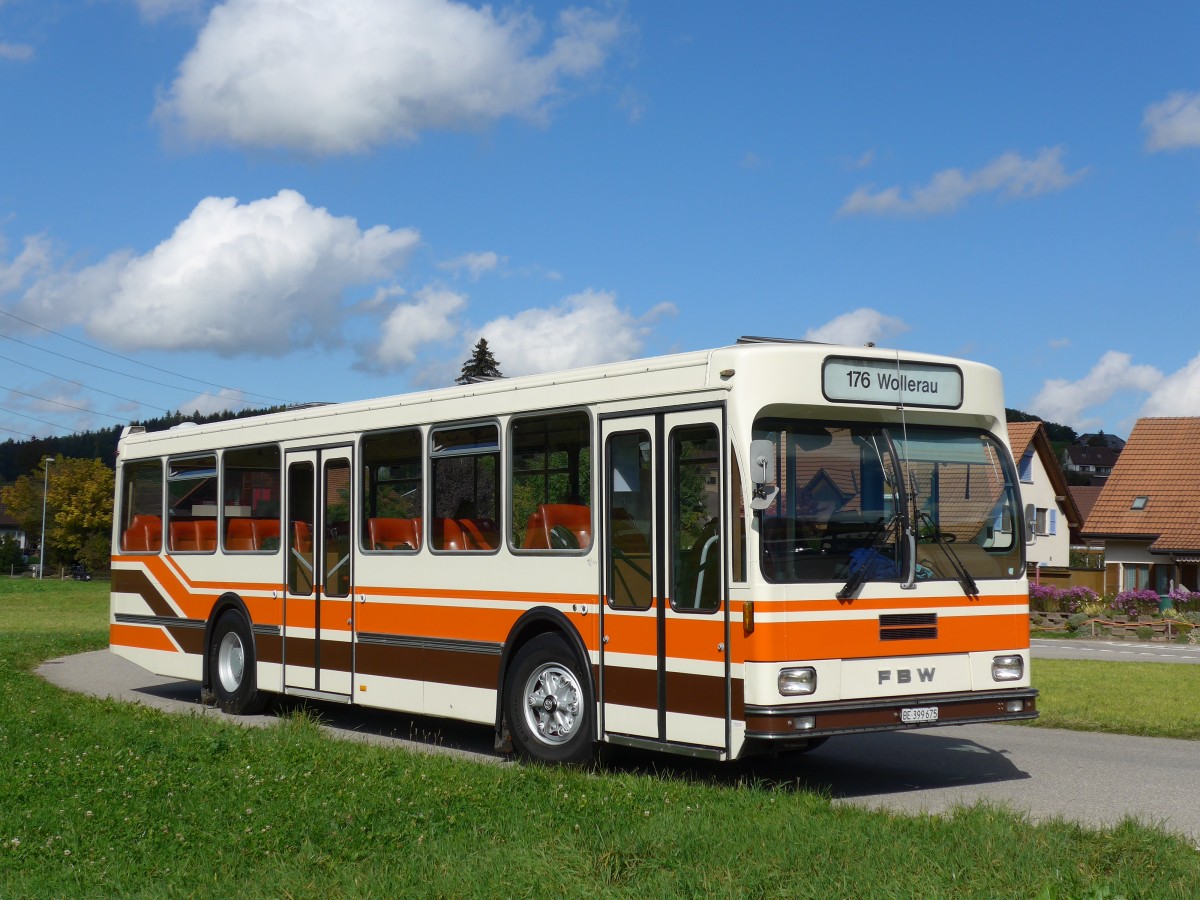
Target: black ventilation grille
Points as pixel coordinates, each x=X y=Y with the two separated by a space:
x=908 y=627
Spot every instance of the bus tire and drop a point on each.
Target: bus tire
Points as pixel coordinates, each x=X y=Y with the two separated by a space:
x=548 y=704
x=232 y=666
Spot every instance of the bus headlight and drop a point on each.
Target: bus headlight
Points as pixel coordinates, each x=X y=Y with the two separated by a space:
x=797 y=681
x=1007 y=668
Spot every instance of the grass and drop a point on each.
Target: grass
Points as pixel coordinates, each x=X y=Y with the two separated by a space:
x=1146 y=698
x=103 y=798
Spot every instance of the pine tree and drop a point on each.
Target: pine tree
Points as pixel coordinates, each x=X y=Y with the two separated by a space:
x=481 y=366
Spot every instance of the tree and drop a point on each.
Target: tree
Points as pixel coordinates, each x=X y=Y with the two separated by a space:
x=79 y=509
x=481 y=366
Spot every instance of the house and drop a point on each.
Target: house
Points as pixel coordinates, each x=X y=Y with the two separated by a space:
x=1090 y=459
x=1148 y=513
x=10 y=527
x=1044 y=486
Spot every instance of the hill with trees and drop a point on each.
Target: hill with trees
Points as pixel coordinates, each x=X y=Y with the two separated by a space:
x=18 y=458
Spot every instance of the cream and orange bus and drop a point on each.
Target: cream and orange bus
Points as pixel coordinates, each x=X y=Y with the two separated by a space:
x=713 y=553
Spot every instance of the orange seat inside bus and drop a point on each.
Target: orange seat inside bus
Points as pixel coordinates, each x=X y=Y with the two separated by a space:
x=194 y=534
x=574 y=518
x=251 y=534
x=144 y=533
x=394 y=534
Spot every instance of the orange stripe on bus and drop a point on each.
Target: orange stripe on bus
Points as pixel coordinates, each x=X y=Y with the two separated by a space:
x=146 y=637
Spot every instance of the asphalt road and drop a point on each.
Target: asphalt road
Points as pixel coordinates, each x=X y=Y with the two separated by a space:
x=1115 y=651
x=1094 y=779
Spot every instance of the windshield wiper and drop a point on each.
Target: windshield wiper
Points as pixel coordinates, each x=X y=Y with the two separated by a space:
x=870 y=557
x=970 y=588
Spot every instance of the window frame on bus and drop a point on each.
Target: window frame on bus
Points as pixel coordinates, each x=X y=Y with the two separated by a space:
x=423 y=460
x=588 y=474
x=431 y=455
x=168 y=519
x=673 y=520
x=224 y=517
x=125 y=505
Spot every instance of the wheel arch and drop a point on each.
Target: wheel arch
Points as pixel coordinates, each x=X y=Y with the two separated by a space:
x=534 y=622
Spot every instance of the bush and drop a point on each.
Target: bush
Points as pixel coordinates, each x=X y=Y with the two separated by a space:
x=1047 y=598
x=1145 y=632
x=1132 y=603
x=1077 y=621
x=1184 y=600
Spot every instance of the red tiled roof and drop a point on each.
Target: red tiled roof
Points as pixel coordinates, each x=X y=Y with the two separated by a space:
x=1161 y=462
x=1085 y=497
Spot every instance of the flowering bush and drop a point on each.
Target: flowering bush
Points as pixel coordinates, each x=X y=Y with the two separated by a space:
x=1047 y=598
x=1131 y=603
x=1184 y=600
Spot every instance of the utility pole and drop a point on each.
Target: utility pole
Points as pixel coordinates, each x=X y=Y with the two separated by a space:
x=45 y=491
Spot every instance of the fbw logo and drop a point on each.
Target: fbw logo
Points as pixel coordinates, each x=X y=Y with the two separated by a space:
x=905 y=676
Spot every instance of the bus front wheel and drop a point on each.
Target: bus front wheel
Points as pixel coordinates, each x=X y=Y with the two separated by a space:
x=548 y=703
x=231 y=667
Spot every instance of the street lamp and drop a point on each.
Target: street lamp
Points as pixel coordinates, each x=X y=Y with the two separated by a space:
x=45 y=490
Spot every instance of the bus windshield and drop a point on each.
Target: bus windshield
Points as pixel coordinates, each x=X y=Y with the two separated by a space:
x=849 y=493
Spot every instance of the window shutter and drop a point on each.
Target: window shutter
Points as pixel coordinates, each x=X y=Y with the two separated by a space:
x=1025 y=471
x=1054 y=521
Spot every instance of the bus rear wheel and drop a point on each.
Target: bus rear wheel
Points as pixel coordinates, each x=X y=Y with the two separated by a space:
x=548 y=704
x=232 y=667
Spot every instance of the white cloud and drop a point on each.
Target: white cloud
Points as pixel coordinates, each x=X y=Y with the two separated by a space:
x=474 y=264
x=409 y=327
x=207 y=404
x=1010 y=175
x=857 y=328
x=1065 y=401
x=1176 y=395
x=15 y=52
x=1058 y=343
x=324 y=78
x=1173 y=123
x=257 y=278
x=585 y=329
x=34 y=259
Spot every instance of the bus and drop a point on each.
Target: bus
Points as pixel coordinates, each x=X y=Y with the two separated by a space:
x=717 y=553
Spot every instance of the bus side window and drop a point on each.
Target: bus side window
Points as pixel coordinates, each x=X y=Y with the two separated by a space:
x=465 y=504
x=141 y=506
x=550 y=482
x=393 y=491
x=251 y=488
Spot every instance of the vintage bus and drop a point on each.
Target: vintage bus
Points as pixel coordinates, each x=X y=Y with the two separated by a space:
x=715 y=553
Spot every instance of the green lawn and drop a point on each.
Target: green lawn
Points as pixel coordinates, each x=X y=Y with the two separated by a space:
x=103 y=798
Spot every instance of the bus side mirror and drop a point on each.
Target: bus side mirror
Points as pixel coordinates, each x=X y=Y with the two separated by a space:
x=1030 y=524
x=762 y=474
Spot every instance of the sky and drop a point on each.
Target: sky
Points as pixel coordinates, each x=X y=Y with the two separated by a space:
x=210 y=205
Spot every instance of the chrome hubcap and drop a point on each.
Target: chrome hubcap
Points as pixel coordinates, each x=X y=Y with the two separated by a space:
x=231 y=662
x=553 y=702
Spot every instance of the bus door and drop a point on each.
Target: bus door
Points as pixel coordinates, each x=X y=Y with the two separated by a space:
x=664 y=620
x=318 y=609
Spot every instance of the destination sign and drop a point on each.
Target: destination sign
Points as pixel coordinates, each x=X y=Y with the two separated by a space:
x=891 y=383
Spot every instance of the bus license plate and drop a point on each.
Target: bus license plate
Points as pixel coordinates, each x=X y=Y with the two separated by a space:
x=912 y=714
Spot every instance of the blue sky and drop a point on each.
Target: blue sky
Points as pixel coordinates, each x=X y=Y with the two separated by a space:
x=252 y=201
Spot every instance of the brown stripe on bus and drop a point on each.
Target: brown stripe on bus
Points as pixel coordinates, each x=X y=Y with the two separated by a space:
x=125 y=581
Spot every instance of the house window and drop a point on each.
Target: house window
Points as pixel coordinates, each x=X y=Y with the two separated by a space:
x=1041 y=525
x=1137 y=576
x=1139 y=502
x=1025 y=470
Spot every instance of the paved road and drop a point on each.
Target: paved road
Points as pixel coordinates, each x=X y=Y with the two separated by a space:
x=1095 y=779
x=1115 y=651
